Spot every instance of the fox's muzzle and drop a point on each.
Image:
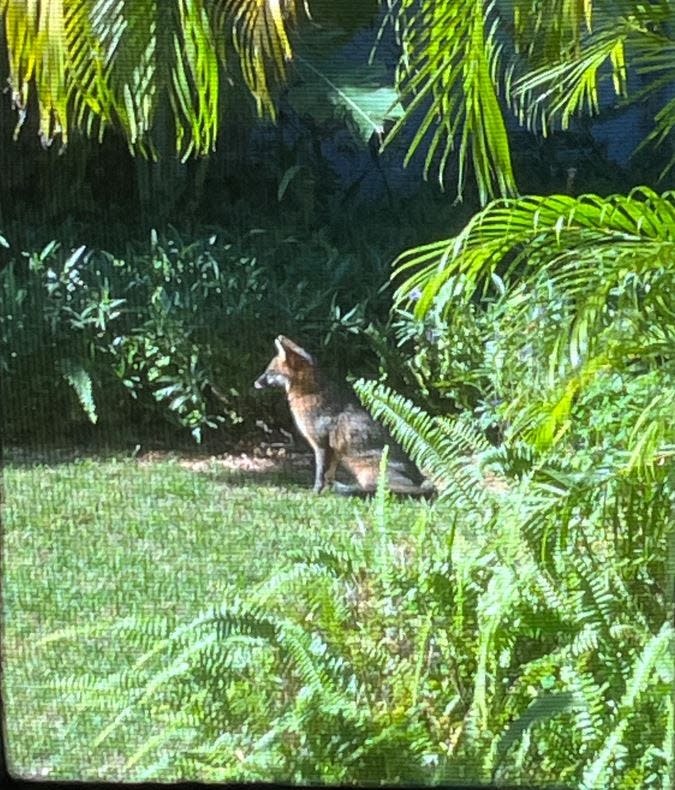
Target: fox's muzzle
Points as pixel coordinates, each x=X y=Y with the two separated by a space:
x=270 y=379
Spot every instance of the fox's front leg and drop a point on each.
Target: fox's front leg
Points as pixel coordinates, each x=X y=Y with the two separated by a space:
x=326 y=463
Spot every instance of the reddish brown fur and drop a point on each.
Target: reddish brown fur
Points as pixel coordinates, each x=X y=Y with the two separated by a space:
x=336 y=426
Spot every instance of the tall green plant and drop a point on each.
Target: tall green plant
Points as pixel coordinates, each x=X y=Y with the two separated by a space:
x=463 y=63
x=590 y=292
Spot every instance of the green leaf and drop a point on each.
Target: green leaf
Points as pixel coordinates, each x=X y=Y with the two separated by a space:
x=80 y=380
x=545 y=707
x=286 y=179
x=338 y=84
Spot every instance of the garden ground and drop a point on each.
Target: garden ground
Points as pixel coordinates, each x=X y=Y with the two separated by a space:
x=91 y=540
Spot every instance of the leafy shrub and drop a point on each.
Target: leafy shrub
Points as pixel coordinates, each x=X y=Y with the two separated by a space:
x=586 y=288
x=441 y=361
x=183 y=328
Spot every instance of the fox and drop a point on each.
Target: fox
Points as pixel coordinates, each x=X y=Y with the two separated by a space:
x=337 y=428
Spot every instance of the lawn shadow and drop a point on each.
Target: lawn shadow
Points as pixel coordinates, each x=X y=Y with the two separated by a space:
x=259 y=466
x=269 y=466
x=277 y=465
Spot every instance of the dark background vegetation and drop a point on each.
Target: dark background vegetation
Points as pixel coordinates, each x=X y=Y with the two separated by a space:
x=287 y=227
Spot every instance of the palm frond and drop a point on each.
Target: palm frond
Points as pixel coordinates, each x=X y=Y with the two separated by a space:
x=585 y=247
x=196 y=80
x=449 y=71
x=572 y=49
x=654 y=59
x=113 y=66
x=260 y=32
x=569 y=89
x=37 y=53
x=95 y=63
x=544 y=29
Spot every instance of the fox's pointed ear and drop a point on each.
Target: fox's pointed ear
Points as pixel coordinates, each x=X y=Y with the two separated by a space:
x=288 y=349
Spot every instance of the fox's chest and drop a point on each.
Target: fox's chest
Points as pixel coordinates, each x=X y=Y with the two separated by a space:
x=313 y=416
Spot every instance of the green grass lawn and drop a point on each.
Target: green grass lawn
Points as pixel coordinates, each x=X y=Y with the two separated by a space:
x=89 y=541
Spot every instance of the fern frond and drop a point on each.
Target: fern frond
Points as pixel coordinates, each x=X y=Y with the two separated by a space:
x=589 y=705
x=323 y=674
x=544 y=707
x=443 y=448
x=598 y=771
x=586 y=641
x=503 y=591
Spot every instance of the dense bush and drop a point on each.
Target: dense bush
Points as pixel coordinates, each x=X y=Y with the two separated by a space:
x=170 y=328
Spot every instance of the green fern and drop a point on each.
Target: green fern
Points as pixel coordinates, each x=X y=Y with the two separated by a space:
x=543 y=708
x=598 y=771
x=444 y=449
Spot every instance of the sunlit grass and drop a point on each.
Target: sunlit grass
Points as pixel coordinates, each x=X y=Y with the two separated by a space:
x=87 y=542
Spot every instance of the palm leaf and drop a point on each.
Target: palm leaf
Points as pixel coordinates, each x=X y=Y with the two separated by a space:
x=568 y=89
x=96 y=63
x=642 y=222
x=544 y=29
x=596 y=278
x=36 y=47
x=449 y=71
x=569 y=58
x=114 y=66
x=260 y=31
x=330 y=81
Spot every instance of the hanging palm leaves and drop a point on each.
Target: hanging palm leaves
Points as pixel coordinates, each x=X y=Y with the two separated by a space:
x=568 y=70
x=95 y=63
x=465 y=63
x=35 y=39
x=260 y=33
x=448 y=74
x=640 y=226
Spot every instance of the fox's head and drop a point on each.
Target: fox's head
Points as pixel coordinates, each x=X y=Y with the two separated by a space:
x=290 y=365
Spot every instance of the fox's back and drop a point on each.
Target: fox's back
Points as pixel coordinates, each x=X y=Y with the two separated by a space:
x=322 y=411
x=330 y=414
